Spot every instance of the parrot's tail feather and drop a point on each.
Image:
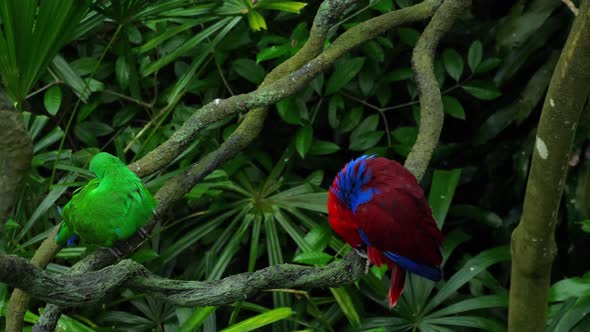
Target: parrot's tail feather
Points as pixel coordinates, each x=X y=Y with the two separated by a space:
x=398 y=279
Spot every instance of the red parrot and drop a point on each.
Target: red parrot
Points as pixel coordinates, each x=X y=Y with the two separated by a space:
x=377 y=206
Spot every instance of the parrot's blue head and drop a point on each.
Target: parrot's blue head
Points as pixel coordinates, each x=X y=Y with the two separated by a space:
x=348 y=184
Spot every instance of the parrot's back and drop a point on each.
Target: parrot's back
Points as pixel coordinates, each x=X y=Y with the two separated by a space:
x=377 y=206
x=111 y=207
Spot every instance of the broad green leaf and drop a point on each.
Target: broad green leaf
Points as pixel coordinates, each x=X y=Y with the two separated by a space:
x=365 y=136
x=285 y=6
x=471 y=268
x=312 y=258
x=585 y=225
x=271 y=53
x=289 y=111
x=351 y=119
x=53 y=136
x=232 y=246
x=474 y=55
x=478 y=322
x=71 y=77
x=309 y=201
x=453 y=107
x=46 y=203
x=574 y=315
x=294 y=232
x=320 y=148
x=384 y=6
x=366 y=82
x=453 y=63
x=344 y=71
x=144 y=255
x=249 y=70
x=477 y=213
x=442 y=190
x=346 y=305
x=52 y=99
x=487 y=65
x=223 y=24
x=122 y=72
x=570 y=287
x=303 y=140
x=179 y=88
x=258 y=321
x=401 y=74
x=196 y=319
x=408 y=36
x=256 y=21
x=374 y=50
x=484 y=90
x=476 y=303
x=32 y=33
x=336 y=103
x=167 y=34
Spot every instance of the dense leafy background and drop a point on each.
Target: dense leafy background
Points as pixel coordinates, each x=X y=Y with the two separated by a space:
x=132 y=72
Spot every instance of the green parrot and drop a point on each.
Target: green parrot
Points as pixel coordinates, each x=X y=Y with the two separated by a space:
x=111 y=207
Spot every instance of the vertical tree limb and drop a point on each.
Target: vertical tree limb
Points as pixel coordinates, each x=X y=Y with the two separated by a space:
x=19 y=300
x=16 y=152
x=533 y=243
x=431 y=107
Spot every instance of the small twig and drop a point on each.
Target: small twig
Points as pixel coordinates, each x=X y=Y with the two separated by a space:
x=128 y=98
x=223 y=79
x=43 y=88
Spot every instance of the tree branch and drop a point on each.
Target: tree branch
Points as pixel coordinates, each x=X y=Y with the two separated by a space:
x=533 y=242
x=281 y=88
x=431 y=107
x=83 y=289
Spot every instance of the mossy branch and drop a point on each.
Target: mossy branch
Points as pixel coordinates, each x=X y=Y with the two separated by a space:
x=431 y=107
x=282 y=87
x=533 y=242
x=83 y=289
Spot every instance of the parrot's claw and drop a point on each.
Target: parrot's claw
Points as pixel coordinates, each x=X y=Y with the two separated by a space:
x=143 y=233
x=361 y=253
x=366 y=257
x=115 y=252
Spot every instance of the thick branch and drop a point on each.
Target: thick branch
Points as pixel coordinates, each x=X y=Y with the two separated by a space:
x=279 y=89
x=533 y=243
x=19 y=300
x=88 y=288
x=431 y=107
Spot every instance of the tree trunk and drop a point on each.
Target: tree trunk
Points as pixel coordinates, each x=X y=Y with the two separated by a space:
x=533 y=243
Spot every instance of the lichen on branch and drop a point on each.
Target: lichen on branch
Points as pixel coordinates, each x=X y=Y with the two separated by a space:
x=82 y=289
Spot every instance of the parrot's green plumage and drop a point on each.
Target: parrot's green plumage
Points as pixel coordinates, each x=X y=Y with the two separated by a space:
x=109 y=208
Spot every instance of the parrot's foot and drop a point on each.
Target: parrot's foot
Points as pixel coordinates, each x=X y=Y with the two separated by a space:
x=366 y=257
x=143 y=233
x=361 y=253
x=115 y=252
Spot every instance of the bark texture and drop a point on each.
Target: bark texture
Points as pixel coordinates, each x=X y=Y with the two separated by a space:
x=533 y=244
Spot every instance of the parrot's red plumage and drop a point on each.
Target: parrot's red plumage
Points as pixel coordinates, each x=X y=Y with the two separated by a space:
x=375 y=204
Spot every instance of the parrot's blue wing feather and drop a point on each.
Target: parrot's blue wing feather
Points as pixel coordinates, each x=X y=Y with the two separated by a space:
x=72 y=240
x=433 y=273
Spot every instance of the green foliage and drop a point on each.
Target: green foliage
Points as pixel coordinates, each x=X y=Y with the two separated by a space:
x=142 y=68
